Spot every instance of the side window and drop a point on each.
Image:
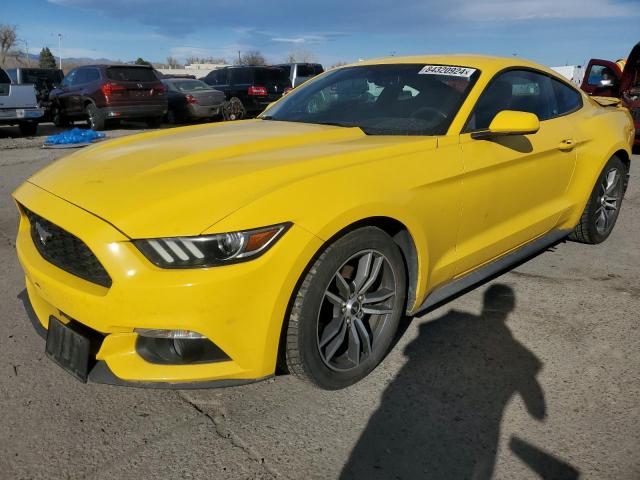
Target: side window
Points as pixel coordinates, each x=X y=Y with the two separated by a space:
x=240 y=76
x=520 y=90
x=567 y=99
x=599 y=76
x=92 y=75
x=81 y=76
x=218 y=77
x=70 y=78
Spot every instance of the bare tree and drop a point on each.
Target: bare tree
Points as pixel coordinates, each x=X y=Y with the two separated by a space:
x=172 y=62
x=338 y=64
x=252 y=57
x=301 y=56
x=193 y=59
x=8 y=39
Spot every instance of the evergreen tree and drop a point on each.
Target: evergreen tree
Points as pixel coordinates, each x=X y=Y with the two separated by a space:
x=141 y=61
x=47 y=60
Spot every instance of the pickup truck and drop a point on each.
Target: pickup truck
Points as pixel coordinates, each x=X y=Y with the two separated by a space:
x=44 y=80
x=19 y=106
x=605 y=78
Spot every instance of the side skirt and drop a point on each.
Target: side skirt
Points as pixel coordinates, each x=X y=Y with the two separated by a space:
x=493 y=269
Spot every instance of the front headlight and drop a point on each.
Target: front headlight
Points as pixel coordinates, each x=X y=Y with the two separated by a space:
x=210 y=250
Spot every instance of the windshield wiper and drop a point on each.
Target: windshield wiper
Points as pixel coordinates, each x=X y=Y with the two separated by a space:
x=334 y=124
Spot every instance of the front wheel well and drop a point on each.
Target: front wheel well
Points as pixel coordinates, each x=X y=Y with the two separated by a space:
x=401 y=236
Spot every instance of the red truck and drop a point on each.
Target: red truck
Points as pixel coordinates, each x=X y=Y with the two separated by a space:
x=606 y=79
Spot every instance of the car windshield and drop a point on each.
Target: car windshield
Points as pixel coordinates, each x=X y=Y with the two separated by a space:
x=191 y=85
x=396 y=99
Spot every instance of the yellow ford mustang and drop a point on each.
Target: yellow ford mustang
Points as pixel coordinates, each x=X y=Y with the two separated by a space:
x=203 y=255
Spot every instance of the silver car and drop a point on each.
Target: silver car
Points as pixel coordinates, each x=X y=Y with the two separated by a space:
x=192 y=99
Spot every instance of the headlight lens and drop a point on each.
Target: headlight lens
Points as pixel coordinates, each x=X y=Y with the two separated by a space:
x=210 y=250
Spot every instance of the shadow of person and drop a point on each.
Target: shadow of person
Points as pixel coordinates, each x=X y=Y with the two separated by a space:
x=440 y=417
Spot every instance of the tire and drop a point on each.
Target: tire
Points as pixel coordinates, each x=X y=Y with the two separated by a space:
x=154 y=122
x=58 y=118
x=95 y=119
x=174 y=118
x=28 y=129
x=233 y=110
x=602 y=209
x=328 y=314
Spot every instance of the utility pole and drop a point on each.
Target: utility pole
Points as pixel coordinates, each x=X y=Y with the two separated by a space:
x=26 y=46
x=239 y=59
x=60 y=49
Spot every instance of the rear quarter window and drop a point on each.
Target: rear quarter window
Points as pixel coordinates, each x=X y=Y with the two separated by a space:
x=240 y=76
x=567 y=99
x=306 y=71
x=271 y=76
x=130 y=74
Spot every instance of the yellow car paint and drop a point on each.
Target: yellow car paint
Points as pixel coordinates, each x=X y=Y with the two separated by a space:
x=465 y=202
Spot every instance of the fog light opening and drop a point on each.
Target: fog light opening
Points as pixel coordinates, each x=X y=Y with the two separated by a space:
x=160 y=333
x=177 y=347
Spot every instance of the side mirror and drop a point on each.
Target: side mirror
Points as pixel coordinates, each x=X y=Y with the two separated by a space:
x=509 y=122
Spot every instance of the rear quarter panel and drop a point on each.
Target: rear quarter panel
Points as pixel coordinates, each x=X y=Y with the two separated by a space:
x=602 y=132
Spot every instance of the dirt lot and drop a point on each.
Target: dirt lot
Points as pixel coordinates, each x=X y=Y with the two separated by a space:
x=553 y=388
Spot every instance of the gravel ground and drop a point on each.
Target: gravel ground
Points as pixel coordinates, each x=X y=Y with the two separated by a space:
x=549 y=390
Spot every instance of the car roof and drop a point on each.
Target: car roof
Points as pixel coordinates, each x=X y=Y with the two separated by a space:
x=485 y=63
x=108 y=65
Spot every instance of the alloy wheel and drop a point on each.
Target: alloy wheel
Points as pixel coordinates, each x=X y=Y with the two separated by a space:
x=608 y=201
x=355 y=308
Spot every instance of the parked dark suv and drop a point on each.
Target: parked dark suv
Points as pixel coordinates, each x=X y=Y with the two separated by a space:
x=101 y=93
x=248 y=89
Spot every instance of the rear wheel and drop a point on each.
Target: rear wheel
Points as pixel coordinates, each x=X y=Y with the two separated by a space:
x=233 y=110
x=154 y=122
x=95 y=119
x=174 y=117
x=603 y=207
x=28 y=128
x=347 y=310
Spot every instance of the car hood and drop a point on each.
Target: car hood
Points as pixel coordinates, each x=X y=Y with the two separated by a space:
x=182 y=181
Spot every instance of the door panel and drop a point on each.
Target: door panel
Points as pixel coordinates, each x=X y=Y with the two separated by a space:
x=514 y=190
x=593 y=75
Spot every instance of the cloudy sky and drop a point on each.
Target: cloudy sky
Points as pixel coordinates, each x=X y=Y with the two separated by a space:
x=553 y=32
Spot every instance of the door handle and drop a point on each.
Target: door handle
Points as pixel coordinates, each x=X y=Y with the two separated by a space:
x=566 y=144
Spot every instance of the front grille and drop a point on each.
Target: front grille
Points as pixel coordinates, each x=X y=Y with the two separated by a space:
x=66 y=251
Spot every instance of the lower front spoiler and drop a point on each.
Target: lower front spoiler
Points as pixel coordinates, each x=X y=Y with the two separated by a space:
x=101 y=373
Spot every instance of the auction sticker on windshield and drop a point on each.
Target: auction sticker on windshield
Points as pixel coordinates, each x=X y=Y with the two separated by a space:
x=447 y=70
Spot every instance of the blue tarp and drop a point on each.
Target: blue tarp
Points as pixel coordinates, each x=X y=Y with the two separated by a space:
x=74 y=136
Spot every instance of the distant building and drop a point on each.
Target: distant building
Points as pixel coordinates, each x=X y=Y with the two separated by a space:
x=204 y=66
x=573 y=73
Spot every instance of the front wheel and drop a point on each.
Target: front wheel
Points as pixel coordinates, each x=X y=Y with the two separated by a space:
x=603 y=207
x=347 y=310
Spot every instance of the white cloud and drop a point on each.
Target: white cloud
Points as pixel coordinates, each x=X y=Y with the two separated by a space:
x=80 y=52
x=505 y=10
x=289 y=40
